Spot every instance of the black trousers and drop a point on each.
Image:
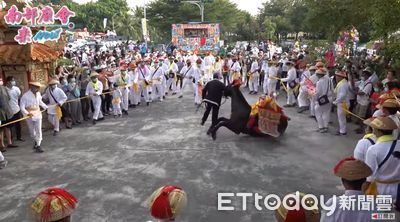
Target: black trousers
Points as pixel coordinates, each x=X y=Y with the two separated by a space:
x=214 y=117
x=226 y=78
x=106 y=100
x=85 y=105
x=179 y=80
x=16 y=125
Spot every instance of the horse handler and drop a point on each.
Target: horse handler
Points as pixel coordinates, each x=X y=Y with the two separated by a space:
x=212 y=94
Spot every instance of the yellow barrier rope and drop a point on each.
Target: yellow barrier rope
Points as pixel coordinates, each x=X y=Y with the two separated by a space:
x=68 y=101
x=350 y=113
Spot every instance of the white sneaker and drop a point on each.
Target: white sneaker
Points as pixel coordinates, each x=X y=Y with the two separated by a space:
x=3 y=164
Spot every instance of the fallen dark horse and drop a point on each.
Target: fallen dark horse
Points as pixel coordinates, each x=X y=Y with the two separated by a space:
x=240 y=113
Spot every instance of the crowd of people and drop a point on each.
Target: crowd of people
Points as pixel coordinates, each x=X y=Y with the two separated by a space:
x=114 y=83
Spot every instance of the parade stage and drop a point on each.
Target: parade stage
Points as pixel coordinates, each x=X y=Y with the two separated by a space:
x=113 y=167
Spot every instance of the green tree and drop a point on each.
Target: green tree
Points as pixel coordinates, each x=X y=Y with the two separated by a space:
x=269 y=28
x=128 y=25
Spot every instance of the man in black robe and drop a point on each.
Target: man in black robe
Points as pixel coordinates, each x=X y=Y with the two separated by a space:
x=212 y=95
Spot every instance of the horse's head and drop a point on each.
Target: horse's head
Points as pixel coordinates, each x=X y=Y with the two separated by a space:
x=229 y=89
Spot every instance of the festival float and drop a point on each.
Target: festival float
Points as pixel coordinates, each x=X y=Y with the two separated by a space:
x=31 y=41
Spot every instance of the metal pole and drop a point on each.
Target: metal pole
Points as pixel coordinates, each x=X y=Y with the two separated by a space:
x=202 y=11
x=144 y=15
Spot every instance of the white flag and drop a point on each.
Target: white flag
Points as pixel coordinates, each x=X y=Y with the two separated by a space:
x=104 y=23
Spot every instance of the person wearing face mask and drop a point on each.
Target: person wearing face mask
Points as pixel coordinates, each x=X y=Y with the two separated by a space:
x=312 y=83
x=172 y=70
x=254 y=76
x=123 y=81
x=94 y=90
x=74 y=106
x=164 y=78
x=302 y=99
x=187 y=74
x=15 y=94
x=197 y=81
x=30 y=104
x=235 y=69
x=156 y=77
x=83 y=81
x=291 y=82
x=5 y=116
x=56 y=97
x=342 y=100
x=323 y=97
x=143 y=73
x=363 y=93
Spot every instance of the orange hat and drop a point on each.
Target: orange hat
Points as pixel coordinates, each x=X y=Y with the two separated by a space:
x=352 y=169
x=53 y=204
x=37 y=84
x=53 y=81
x=132 y=65
x=284 y=215
x=341 y=74
x=389 y=103
x=167 y=202
x=382 y=123
x=321 y=71
x=319 y=64
x=124 y=67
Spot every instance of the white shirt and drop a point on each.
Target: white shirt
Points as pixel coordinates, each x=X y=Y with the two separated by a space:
x=157 y=74
x=173 y=68
x=235 y=67
x=396 y=119
x=291 y=76
x=362 y=147
x=187 y=71
x=124 y=82
x=217 y=67
x=209 y=60
x=196 y=74
x=264 y=67
x=14 y=94
x=324 y=87
x=285 y=68
x=29 y=100
x=90 y=89
x=390 y=171
x=345 y=215
x=58 y=95
x=254 y=67
x=367 y=89
x=143 y=73
x=133 y=75
x=272 y=72
x=342 y=92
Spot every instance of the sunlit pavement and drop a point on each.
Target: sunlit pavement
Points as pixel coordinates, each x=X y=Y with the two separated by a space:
x=114 y=166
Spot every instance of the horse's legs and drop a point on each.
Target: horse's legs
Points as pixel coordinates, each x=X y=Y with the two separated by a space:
x=228 y=124
x=221 y=119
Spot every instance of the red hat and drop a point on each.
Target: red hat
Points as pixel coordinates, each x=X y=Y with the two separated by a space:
x=124 y=67
x=199 y=61
x=122 y=62
x=166 y=202
x=352 y=169
x=53 y=204
x=284 y=215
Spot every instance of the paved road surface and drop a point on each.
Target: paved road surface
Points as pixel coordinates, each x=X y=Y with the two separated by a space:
x=113 y=167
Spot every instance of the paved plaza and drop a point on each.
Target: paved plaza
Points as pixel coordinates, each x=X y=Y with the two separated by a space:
x=114 y=166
